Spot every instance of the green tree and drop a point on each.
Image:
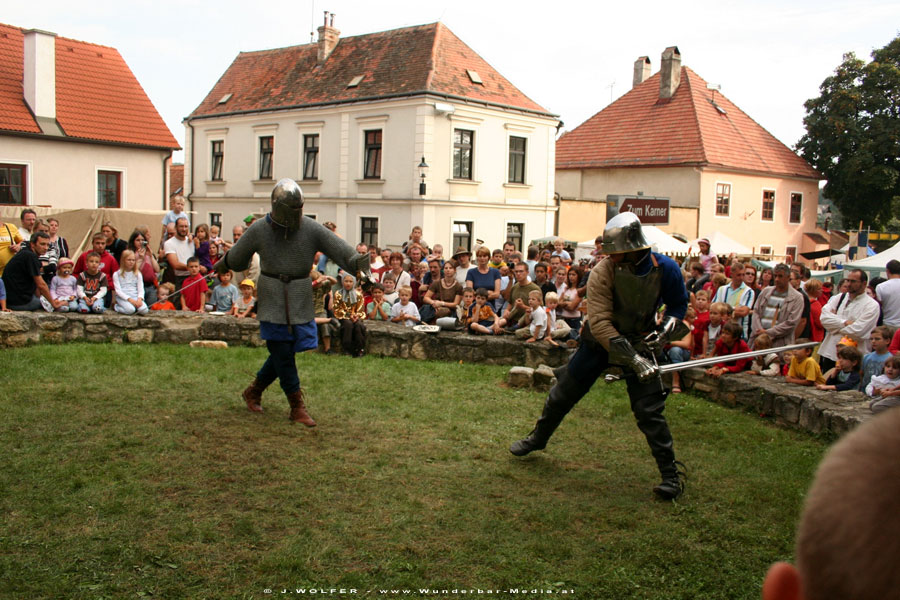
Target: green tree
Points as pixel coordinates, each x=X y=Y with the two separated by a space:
x=853 y=136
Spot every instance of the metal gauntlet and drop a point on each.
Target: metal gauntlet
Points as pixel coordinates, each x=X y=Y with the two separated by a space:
x=623 y=353
x=670 y=330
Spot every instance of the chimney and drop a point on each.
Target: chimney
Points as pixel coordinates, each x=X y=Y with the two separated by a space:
x=40 y=78
x=641 y=71
x=328 y=38
x=669 y=72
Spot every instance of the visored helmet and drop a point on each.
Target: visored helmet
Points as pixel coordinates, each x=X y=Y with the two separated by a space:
x=623 y=233
x=287 y=204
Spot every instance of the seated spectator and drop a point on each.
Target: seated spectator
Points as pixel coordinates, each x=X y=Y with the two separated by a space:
x=679 y=351
x=326 y=325
x=376 y=265
x=483 y=275
x=434 y=273
x=768 y=365
x=22 y=275
x=350 y=312
x=225 y=294
x=64 y=287
x=500 y=303
x=845 y=375
x=442 y=297
x=560 y=251
x=378 y=309
x=3 y=297
x=570 y=301
x=481 y=317
x=874 y=360
x=93 y=285
x=10 y=243
x=194 y=289
x=698 y=278
x=415 y=282
x=202 y=248
x=108 y=264
x=885 y=389
x=405 y=311
x=719 y=314
x=730 y=342
x=401 y=277
x=557 y=328
x=390 y=289
x=114 y=245
x=245 y=306
x=147 y=264
x=163 y=291
x=465 y=306
x=701 y=322
x=804 y=370
x=415 y=238
x=535 y=319
x=541 y=278
x=129 y=287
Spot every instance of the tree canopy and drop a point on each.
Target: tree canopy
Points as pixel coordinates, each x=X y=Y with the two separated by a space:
x=853 y=136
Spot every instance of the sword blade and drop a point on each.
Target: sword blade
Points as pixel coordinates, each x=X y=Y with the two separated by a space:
x=714 y=360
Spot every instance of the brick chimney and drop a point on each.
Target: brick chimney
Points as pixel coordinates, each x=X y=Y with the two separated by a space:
x=40 y=78
x=328 y=38
x=669 y=72
x=641 y=71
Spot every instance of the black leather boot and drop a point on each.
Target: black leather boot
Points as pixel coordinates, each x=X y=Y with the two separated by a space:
x=648 y=400
x=562 y=397
x=672 y=484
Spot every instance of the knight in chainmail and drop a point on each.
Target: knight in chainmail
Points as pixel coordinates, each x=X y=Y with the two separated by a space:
x=286 y=243
x=624 y=293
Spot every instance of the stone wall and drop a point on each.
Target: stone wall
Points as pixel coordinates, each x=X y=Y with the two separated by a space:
x=789 y=405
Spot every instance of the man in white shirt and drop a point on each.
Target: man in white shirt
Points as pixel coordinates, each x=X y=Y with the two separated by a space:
x=463 y=257
x=888 y=294
x=178 y=250
x=852 y=315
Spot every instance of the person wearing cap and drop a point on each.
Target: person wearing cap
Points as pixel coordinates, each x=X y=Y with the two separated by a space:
x=624 y=292
x=287 y=243
x=64 y=287
x=245 y=305
x=463 y=260
x=707 y=258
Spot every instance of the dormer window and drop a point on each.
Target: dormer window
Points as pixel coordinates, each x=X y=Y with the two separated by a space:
x=355 y=81
x=474 y=77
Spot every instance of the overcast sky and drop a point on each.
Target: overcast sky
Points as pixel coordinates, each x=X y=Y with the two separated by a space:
x=570 y=57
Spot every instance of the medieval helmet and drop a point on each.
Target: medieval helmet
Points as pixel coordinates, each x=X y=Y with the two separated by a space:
x=623 y=233
x=287 y=204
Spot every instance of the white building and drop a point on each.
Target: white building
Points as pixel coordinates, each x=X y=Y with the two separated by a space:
x=352 y=119
x=76 y=128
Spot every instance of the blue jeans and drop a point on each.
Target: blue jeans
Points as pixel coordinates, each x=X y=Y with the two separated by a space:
x=678 y=355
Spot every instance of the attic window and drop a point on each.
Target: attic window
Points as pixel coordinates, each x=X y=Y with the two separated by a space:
x=718 y=108
x=474 y=76
x=225 y=98
x=355 y=81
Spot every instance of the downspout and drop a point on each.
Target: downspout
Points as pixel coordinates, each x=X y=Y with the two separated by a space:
x=191 y=193
x=165 y=169
x=558 y=199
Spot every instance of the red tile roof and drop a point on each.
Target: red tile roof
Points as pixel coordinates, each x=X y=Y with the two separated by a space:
x=638 y=130
x=176 y=179
x=97 y=95
x=412 y=60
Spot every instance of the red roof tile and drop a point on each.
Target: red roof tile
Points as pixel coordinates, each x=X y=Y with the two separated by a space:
x=97 y=95
x=638 y=130
x=176 y=179
x=412 y=60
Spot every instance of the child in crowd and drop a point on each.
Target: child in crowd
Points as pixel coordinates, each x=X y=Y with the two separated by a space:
x=701 y=322
x=804 y=370
x=845 y=375
x=501 y=303
x=64 y=287
x=202 y=248
x=714 y=283
x=680 y=350
x=730 y=342
x=557 y=329
x=874 y=360
x=378 y=309
x=481 y=317
x=129 y=286
x=216 y=244
x=326 y=325
x=437 y=253
x=405 y=311
x=390 y=294
x=768 y=365
x=245 y=306
x=173 y=215
x=536 y=319
x=163 y=291
x=885 y=389
x=92 y=285
x=719 y=313
x=497 y=259
x=349 y=309
x=465 y=306
x=194 y=289
x=225 y=294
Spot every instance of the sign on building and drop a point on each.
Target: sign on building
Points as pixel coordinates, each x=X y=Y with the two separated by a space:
x=651 y=210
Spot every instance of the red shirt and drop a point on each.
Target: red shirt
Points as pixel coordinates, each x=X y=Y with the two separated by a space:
x=701 y=325
x=817 y=332
x=163 y=306
x=192 y=295
x=894 y=348
x=734 y=366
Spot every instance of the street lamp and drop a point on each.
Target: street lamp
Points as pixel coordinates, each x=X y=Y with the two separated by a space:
x=423 y=166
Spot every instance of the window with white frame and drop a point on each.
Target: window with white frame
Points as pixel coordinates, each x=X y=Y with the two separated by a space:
x=266 y=153
x=462 y=235
x=372 y=163
x=217 y=159
x=723 y=199
x=768 y=205
x=368 y=231
x=215 y=219
x=791 y=251
x=515 y=233
x=109 y=189
x=463 y=145
x=12 y=184
x=796 y=212
x=765 y=250
x=516 y=159
x=311 y=156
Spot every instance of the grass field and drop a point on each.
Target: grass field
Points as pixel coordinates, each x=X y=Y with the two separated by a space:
x=136 y=471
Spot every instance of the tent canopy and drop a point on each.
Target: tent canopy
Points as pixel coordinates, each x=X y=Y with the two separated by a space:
x=660 y=241
x=878 y=263
x=720 y=244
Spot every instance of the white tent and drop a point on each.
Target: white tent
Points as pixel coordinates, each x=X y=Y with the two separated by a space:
x=878 y=263
x=659 y=240
x=720 y=244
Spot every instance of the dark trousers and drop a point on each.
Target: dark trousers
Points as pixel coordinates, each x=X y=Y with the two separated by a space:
x=280 y=365
x=353 y=336
x=826 y=364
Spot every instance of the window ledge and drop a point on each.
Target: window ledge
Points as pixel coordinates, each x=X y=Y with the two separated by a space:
x=464 y=181
x=369 y=181
x=215 y=182
x=303 y=182
x=516 y=185
x=262 y=181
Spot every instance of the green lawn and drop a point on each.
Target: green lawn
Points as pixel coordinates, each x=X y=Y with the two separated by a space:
x=136 y=471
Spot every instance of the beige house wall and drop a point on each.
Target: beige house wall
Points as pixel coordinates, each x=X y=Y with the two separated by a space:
x=63 y=174
x=411 y=129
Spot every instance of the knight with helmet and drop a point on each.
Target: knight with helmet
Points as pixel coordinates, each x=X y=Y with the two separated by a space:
x=624 y=294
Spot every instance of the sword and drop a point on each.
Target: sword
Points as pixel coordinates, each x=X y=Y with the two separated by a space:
x=714 y=360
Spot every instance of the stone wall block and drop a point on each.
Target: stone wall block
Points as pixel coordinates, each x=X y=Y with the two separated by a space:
x=139 y=336
x=75 y=331
x=220 y=328
x=122 y=321
x=14 y=323
x=544 y=377
x=53 y=337
x=520 y=377
x=96 y=328
x=51 y=322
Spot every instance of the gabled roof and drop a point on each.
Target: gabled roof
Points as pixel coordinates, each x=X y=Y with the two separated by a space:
x=639 y=130
x=97 y=95
x=400 y=62
x=176 y=179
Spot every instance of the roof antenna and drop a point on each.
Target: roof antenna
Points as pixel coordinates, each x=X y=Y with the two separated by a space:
x=312 y=20
x=610 y=86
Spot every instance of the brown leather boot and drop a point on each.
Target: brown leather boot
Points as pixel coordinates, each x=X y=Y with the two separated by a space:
x=253 y=396
x=298 y=409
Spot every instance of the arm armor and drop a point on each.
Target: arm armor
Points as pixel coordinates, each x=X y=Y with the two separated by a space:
x=621 y=352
